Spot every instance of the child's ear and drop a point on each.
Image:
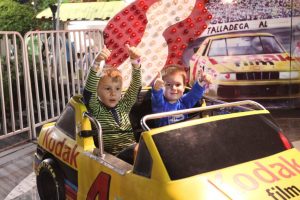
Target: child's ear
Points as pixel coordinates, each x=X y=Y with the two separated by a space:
x=98 y=88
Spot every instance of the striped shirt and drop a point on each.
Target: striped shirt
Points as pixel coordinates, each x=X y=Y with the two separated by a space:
x=115 y=123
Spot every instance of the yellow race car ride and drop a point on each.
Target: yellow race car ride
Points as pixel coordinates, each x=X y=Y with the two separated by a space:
x=223 y=151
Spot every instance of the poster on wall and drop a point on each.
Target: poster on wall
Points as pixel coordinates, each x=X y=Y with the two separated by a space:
x=250 y=48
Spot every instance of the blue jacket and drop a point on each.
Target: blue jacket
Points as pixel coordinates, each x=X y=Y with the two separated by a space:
x=188 y=100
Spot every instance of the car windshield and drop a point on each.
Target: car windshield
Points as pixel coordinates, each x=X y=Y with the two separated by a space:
x=215 y=145
x=248 y=45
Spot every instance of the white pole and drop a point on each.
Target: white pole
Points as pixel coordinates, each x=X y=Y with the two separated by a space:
x=57 y=16
x=57 y=39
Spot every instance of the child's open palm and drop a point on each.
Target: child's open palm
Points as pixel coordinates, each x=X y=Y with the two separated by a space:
x=159 y=83
x=205 y=78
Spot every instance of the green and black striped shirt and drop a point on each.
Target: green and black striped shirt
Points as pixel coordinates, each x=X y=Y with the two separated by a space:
x=116 y=135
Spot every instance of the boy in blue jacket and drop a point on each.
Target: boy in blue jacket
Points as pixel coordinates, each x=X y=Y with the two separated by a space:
x=167 y=93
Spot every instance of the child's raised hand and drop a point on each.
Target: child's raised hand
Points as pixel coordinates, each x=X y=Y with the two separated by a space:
x=158 y=83
x=103 y=55
x=99 y=60
x=134 y=52
x=204 y=78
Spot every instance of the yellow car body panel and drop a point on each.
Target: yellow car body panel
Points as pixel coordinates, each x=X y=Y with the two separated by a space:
x=60 y=145
x=110 y=178
x=277 y=174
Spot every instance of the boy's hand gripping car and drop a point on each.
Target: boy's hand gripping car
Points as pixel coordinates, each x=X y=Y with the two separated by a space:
x=224 y=151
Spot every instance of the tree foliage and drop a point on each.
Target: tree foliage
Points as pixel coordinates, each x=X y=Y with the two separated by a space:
x=19 y=15
x=43 y=4
x=16 y=15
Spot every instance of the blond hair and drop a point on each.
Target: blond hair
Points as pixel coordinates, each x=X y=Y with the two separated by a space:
x=174 y=69
x=112 y=73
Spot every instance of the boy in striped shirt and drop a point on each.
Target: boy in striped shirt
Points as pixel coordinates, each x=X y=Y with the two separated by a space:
x=103 y=97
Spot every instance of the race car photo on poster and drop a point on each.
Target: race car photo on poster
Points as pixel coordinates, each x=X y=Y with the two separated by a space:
x=247 y=66
x=222 y=151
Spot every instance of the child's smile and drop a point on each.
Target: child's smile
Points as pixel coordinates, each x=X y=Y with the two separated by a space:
x=174 y=87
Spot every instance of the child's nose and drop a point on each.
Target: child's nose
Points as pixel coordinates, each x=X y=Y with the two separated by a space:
x=113 y=92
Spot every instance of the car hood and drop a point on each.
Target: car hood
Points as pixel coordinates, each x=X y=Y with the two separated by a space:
x=264 y=178
x=265 y=62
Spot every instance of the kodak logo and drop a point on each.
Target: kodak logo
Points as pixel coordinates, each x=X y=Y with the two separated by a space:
x=60 y=149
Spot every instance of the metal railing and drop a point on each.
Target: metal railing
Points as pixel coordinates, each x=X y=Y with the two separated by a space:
x=14 y=98
x=254 y=104
x=39 y=73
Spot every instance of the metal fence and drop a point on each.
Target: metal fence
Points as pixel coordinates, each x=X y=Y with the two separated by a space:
x=14 y=98
x=39 y=73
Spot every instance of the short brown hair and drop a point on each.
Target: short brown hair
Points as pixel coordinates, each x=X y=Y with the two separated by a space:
x=174 y=69
x=113 y=73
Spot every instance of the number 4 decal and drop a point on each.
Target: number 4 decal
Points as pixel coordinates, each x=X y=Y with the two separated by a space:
x=100 y=187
